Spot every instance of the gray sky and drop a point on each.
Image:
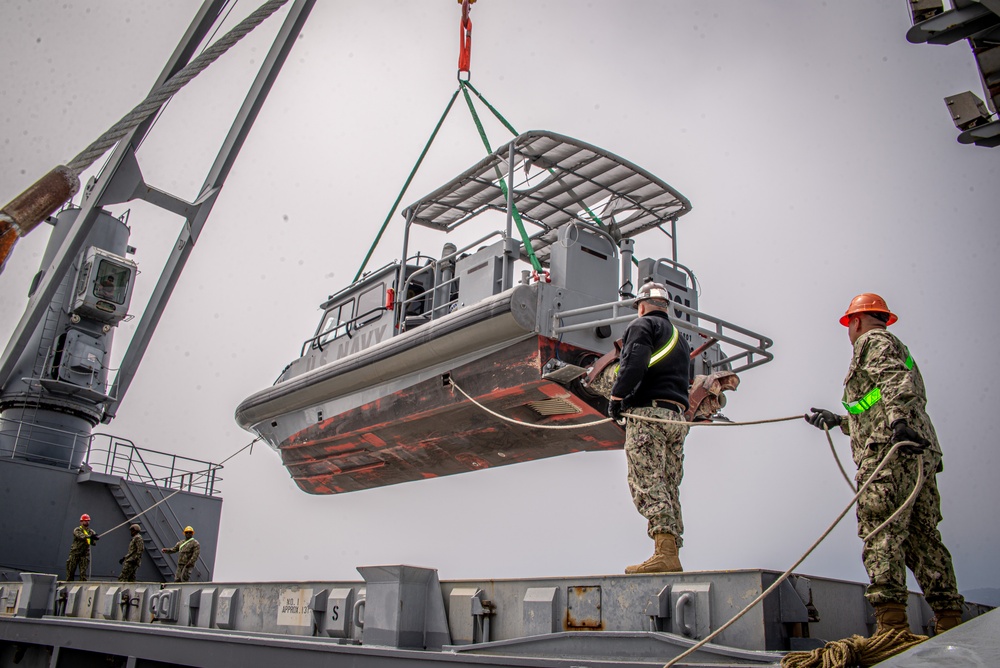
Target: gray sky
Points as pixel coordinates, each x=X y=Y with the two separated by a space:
x=810 y=137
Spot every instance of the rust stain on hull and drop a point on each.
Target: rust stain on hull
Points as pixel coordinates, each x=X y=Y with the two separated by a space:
x=430 y=430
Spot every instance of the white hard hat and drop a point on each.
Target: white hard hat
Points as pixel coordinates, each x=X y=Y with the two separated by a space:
x=650 y=291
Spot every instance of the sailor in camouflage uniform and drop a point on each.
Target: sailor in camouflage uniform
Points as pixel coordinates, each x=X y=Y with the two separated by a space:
x=130 y=562
x=79 y=551
x=189 y=550
x=886 y=401
x=653 y=379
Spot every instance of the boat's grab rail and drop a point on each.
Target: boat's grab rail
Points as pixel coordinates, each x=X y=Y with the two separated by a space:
x=433 y=268
x=754 y=346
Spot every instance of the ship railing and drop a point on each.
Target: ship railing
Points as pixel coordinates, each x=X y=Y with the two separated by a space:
x=753 y=347
x=108 y=454
x=41 y=444
x=152 y=467
x=441 y=290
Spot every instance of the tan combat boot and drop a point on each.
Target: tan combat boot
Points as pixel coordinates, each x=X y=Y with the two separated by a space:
x=891 y=617
x=945 y=620
x=664 y=559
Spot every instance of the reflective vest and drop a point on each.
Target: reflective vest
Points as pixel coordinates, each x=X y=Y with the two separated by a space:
x=872 y=397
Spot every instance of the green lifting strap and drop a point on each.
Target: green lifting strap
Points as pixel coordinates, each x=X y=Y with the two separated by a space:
x=413 y=172
x=864 y=403
x=525 y=239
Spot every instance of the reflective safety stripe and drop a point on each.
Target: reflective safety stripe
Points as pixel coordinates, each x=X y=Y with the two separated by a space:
x=661 y=353
x=665 y=350
x=864 y=403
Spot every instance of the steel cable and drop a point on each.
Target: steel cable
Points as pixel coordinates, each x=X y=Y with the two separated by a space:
x=166 y=90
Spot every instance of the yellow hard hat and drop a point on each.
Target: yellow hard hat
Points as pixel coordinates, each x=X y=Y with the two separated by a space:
x=188 y=528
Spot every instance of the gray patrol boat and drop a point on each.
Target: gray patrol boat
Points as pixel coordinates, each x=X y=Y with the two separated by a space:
x=496 y=320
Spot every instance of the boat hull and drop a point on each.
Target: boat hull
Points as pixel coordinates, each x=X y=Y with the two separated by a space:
x=431 y=429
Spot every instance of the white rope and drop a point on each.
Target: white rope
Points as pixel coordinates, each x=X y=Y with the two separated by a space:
x=165 y=91
x=906 y=504
x=784 y=576
x=836 y=458
x=178 y=491
x=631 y=415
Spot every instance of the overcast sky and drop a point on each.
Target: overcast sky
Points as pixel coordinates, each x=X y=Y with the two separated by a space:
x=810 y=137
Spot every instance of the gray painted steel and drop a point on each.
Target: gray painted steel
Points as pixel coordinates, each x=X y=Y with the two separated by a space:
x=50 y=500
x=401 y=615
x=975 y=644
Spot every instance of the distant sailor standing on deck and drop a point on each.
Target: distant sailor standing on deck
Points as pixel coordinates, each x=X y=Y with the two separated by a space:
x=653 y=380
x=79 y=551
x=130 y=562
x=189 y=550
x=886 y=403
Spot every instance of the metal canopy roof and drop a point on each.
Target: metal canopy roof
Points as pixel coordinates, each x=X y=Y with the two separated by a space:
x=558 y=181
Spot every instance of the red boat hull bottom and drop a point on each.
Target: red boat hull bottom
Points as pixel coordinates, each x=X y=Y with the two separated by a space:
x=431 y=429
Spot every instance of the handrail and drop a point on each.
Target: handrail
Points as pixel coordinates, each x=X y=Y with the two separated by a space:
x=433 y=266
x=720 y=332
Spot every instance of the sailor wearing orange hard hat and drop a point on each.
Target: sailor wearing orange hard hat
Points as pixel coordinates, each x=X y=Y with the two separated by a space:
x=885 y=400
x=79 y=551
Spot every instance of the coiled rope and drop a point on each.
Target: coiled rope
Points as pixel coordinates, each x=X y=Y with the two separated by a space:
x=854 y=651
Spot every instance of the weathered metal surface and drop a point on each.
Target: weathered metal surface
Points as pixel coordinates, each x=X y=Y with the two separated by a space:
x=429 y=429
x=397 y=617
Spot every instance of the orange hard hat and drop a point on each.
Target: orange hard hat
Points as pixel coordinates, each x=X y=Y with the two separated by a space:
x=85 y=517
x=867 y=302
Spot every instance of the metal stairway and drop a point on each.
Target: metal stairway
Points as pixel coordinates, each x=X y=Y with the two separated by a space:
x=154 y=523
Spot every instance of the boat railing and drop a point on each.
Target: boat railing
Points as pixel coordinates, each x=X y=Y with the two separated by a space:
x=441 y=292
x=753 y=346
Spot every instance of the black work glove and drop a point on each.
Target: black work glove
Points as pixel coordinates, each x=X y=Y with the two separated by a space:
x=122 y=560
x=94 y=537
x=903 y=432
x=615 y=410
x=821 y=417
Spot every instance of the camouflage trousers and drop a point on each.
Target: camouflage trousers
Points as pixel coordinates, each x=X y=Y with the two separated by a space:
x=77 y=561
x=655 y=455
x=129 y=569
x=912 y=540
x=183 y=572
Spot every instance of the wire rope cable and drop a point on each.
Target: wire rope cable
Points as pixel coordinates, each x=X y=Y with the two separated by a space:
x=158 y=97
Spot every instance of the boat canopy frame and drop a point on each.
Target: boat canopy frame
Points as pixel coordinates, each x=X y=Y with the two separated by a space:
x=579 y=183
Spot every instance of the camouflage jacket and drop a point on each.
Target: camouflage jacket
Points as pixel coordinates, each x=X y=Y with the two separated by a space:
x=81 y=540
x=135 y=548
x=189 y=550
x=882 y=361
